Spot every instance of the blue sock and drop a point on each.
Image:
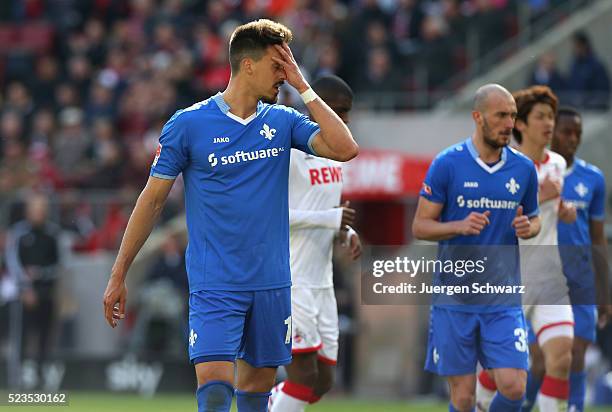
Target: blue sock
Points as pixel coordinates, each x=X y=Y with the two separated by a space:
x=252 y=401
x=502 y=404
x=451 y=408
x=215 y=396
x=577 y=391
x=533 y=387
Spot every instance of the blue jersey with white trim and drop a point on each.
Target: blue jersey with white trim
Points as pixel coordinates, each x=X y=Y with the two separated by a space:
x=585 y=188
x=236 y=190
x=460 y=180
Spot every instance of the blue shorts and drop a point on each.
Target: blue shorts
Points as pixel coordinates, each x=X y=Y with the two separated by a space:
x=585 y=323
x=254 y=326
x=458 y=340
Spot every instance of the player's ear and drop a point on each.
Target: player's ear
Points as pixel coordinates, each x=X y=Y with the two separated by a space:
x=477 y=116
x=246 y=65
x=520 y=125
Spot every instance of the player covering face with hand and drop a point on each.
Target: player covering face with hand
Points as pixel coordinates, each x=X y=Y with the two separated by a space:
x=233 y=150
x=453 y=213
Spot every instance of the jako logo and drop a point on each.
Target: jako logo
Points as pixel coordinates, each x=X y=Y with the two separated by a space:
x=212 y=159
x=221 y=140
x=241 y=156
x=485 y=203
x=267 y=132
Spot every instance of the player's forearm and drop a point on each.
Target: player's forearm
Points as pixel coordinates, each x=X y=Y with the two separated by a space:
x=337 y=141
x=433 y=230
x=139 y=227
x=307 y=219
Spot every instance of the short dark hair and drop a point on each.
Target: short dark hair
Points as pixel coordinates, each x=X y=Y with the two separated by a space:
x=332 y=86
x=527 y=98
x=582 y=38
x=568 y=111
x=253 y=38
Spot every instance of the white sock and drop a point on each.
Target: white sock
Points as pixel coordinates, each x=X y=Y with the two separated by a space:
x=484 y=397
x=550 y=404
x=282 y=402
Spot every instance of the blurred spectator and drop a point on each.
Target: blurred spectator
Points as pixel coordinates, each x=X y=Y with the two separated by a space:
x=34 y=259
x=162 y=310
x=71 y=149
x=406 y=25
x=379 y=80
x=547 y=74
x=588 y=84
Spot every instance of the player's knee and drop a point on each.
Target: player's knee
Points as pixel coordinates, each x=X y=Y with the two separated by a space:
x=512 y=389
x=464 y=401
x=578 y=352
x=560 y=364
x=306 y=375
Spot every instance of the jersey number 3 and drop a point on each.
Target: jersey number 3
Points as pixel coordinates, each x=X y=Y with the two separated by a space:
x=521 y=342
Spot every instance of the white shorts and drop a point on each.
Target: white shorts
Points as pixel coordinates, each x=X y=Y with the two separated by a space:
x=550 y=321
x=314 y=315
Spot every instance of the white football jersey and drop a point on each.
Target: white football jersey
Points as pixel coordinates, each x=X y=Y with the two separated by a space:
x=315 y=187
x=541 y=265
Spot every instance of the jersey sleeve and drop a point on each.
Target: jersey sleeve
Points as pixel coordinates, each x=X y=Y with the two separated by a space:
x=436 y=181
x=172 y=152
x=530 y=200
x=597 y=208
x=303 y=132
x=309 y=219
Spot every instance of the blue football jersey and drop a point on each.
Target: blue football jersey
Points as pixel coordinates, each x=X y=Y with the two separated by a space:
x=460 y=180
x=236 y=182
x=585 y=188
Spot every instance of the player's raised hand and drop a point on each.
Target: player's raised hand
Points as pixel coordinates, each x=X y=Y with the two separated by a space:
x=292 y=70
x=567 y=212
x=549 y=189
x=348 y=215
x=115 y=297
x=521 y=224
x=474 y=223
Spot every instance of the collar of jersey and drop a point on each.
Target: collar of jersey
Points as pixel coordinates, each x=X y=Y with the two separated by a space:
x=224 y=107
x=577 y=161
x=481 y=163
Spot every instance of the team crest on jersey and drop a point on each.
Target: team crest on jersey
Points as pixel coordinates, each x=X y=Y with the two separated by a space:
x=157 y=154
x=427 y=189
x=267 y=132
x=581 y=189
x=512 y=186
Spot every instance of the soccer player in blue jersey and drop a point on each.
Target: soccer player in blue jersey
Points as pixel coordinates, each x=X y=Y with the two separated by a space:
x=478 y=193
x=233 y=150
x=584 y=187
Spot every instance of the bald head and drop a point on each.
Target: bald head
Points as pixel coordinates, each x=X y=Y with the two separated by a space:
x=485 y=93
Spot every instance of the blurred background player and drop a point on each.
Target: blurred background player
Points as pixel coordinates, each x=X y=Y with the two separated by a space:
x=233 y=150
x=496 y=335
x=545 y=301
x=315 y=221
x=586 y=270
x=34 y=259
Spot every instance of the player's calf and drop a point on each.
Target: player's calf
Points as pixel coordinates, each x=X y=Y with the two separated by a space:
x=325 y=379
